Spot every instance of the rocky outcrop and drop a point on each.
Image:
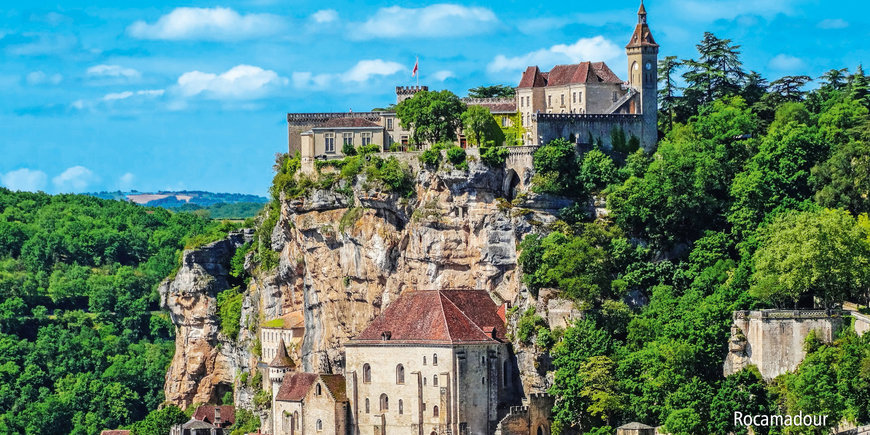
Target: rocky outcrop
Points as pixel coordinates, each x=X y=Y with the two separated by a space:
x=205 y=363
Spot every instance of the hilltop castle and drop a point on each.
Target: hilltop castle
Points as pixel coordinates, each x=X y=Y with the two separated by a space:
x=585 y=102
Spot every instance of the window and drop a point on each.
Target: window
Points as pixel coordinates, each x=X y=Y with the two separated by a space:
x=296 y=417
x=404 y=139
x=367 y=373
x=614 y=96
x=347 y=139
x=550 y=100
x=528 y=101
x=505 y=121
x=482 y=359
x=435 y=411
x=434 y=380
x=367 y=405
x=401 y=407
x=329 y=141
x=575 y=97
x=424 y=360
x=366 y=138
x=506 y=374
x=319 y=425
x=434 y=359
x=424 y=381
x=482 y=381
x=580 y=96
x=318 y=391
x=389 y=123
x=385 y=402
x=400 y=374
x=563 y=99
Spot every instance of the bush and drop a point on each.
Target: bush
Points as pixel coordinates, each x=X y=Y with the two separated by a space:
x=430 y=157
x=368 y=149
x=348 y=149
x=456 y=156
x=393 y=174
x=229 y=303
x=529 y=325
x=493 y=155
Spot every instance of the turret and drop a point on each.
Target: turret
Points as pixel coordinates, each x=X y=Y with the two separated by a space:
x=642 y=52
x=280 y=365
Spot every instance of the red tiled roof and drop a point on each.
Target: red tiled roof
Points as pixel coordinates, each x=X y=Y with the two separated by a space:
x=560 y=75
x=336 y=386
x=437 y=317
x=347 y=122
x=206 y=413
x=296 y=386
x=282 y=359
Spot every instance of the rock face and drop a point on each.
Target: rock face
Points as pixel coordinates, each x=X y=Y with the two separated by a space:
x=773 y=340
x=204 y=364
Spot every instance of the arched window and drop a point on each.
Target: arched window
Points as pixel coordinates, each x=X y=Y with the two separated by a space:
x=482 y=359
x=368 y=410
x=296 y=418
x=317 y=390
x=367 y=373
x=424 y=381
x=401 y=407
x=319 y=425
x=385 y=402
x=482 y=381
x=434 y=359
x=434 y=380
x=435 y=411
x=400 y=374
x=424 y=360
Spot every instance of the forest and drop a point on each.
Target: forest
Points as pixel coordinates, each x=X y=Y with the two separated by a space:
x=757 y=197
x=83 y=344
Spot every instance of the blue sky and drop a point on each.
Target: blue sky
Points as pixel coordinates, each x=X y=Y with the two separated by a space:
x=105 y=95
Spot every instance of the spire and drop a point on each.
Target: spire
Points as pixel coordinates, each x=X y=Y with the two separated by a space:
x=282 y=359
x=641 y=14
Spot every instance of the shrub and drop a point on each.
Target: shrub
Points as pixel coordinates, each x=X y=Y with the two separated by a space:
x=348 y=149
x=456 y=156
x=393 y=174
x=529 y=325
x=493 y=155
x=430 y=157
x=229 y=303
x=368 y=149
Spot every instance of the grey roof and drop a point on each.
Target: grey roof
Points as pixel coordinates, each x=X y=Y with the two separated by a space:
x=635 y=425
x=196 y=424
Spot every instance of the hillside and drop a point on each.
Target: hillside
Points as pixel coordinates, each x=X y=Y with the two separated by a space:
x=213 y=205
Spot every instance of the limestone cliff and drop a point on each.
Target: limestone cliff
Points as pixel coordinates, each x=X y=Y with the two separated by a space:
x=344 y=254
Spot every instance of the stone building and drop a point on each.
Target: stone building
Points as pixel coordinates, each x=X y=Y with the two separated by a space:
x=290 y=328
x=445 y=369
x=635 y=429
x=207 y=420
x=310 y=403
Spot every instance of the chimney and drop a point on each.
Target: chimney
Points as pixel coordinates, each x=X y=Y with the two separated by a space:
x=217 y=415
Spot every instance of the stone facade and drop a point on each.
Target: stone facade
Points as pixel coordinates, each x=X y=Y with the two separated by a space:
x=290 y=328
x=531 y=419
x=773 y=340
x=309 y=403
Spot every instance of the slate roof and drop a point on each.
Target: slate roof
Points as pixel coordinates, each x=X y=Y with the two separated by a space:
x=436 y=317
x=560 y=75
x=635 y=425
x=282 y=359
x=295 y=386
x=348 y=122
x=206 y=413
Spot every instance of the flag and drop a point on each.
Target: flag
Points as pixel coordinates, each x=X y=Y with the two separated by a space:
x=416 y=65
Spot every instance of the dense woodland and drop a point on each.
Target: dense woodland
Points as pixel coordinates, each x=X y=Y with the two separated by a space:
x=757 y=197
x=83 y=345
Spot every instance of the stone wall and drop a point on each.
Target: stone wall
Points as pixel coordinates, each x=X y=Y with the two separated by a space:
x=554 y=126
x=773 y=340
x=862 y=323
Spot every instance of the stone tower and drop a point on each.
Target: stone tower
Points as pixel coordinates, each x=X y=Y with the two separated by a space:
x=278 y=368
x=642 y=52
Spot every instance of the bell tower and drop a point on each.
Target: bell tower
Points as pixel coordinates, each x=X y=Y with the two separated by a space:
x=642 y=52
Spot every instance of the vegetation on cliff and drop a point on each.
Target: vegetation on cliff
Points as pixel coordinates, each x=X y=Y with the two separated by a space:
x=83 y=346
x=754 y=198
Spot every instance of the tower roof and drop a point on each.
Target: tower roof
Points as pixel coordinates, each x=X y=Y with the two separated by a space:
x=560 y=75
x=642 y=37
x=282 y=359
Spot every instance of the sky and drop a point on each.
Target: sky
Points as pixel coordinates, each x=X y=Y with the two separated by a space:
x=166 y=95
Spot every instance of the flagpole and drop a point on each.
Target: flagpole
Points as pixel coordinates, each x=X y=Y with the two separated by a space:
x=418 y=71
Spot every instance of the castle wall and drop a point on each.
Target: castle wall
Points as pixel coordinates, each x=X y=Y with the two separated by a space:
x=773 y=340
x=862 y=323
x=553 y=126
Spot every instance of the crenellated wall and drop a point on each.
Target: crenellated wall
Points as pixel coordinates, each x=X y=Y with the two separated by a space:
x=551 y=126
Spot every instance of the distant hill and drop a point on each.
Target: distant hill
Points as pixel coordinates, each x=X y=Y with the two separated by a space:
x=218 y=205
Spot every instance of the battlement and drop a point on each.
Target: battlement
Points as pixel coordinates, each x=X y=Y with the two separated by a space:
x=496 y=100
x=410 y=90
x=316 y=118
x=580 y=117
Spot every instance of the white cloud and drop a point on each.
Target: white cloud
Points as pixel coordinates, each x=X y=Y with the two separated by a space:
x=125 y=182
x=39 y=78
x=216 y=24
x=325 y=16
x=127 y=94
x=784 y=62
x=711 y=10
x=833 y=23
x=75 y=179
x=594 y=49
x=436 y=20
x=362 y=72
x=24 y=179
x=442 y=75
x=239 y=83
x=115 y=71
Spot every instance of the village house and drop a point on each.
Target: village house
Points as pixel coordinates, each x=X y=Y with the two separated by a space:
x=207 y=420
x=290 y=328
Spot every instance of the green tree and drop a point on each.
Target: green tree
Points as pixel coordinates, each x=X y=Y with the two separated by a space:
x=843 y=181
x=555 y=164
x=494 y=91
x=597 y=171
x=718 y=71
x=480 y=127
x=667 y=93
x=432 y=116
x=821 y=252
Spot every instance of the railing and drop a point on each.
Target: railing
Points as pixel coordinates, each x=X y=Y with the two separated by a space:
x=787 y=314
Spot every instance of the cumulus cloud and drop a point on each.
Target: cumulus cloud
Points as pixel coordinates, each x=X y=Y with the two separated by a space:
x=24 y=179
x=239 y=83
x=125 y=182
x=833 y=23
x=784 y=62
x=75 y=179
x=114 y=71
x=40 y=78
x=597 y=48
x=442 y=75
x=362 y=72
x=325 y=16
x=438 y=20
x=218 y=24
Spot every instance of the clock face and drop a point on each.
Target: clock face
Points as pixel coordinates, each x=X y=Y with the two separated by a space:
x=648 y=66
